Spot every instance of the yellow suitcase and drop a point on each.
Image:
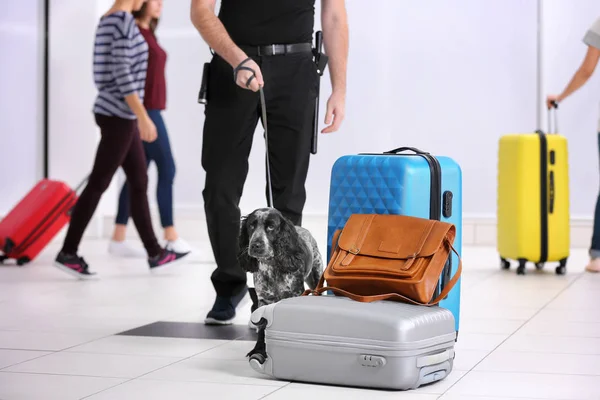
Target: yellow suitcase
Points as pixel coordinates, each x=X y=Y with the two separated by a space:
x=533 y=200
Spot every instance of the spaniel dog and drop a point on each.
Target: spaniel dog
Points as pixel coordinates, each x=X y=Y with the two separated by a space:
x=281 y=257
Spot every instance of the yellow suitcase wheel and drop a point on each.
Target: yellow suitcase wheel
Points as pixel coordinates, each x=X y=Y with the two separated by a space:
x=521 y=267
x=562 y=267
x=539 y=266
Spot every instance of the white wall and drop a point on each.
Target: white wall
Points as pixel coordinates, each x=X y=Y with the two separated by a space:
x=564 y=25
x=21 y=99
x=450 y=78
x=463 y=72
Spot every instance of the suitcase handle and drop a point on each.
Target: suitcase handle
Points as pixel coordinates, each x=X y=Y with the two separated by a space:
x=555 y=108
x=551 y=194
x=81 y=184
x=401 y=149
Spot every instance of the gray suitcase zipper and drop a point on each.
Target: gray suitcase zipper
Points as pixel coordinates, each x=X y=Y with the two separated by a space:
x=358 y=343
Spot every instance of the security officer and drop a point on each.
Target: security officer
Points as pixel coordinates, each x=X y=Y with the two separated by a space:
x=273 y=39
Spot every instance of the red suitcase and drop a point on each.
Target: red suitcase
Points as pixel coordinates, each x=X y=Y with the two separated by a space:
x=36 y=220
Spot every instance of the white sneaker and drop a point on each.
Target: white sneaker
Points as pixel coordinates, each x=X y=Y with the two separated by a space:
x=123 y=249
x=178 y=246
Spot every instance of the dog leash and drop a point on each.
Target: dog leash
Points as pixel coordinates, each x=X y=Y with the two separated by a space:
x=263 y=107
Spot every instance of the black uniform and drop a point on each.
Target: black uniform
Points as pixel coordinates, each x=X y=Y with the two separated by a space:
x=232 y=115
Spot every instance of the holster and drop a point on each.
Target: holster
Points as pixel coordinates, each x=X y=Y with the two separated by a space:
x=321 y=60
x=203 y=93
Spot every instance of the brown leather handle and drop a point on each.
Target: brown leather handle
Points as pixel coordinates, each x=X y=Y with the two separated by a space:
x=334 y=241
x=368 y=299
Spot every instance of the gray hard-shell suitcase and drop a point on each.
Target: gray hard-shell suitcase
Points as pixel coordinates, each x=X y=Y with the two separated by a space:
x=339 y=341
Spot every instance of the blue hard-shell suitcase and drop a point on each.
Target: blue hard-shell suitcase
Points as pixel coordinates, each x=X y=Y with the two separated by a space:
x=419 y=185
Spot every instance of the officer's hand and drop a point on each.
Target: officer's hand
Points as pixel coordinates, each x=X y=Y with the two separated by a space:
x=335 y=112
x=244 y=75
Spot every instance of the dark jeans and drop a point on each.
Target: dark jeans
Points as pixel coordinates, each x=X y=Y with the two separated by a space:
x=595 y=247
x=158 y=151
x=232 y=114
x=120 y=145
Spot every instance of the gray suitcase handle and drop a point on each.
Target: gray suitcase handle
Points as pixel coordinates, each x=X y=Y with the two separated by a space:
x=434 y=359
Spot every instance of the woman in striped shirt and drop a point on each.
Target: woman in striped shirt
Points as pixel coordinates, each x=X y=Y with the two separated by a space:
x=120 y=64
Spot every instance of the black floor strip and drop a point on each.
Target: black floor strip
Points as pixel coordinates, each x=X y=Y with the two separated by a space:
x=193 y=330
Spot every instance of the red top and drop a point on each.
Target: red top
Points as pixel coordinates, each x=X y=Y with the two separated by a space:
x=155 y=97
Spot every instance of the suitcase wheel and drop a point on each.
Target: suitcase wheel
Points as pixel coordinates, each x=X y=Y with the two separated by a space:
x=257 y=364
x=539 y=266
x=22 y=261
x=562 y=267
x=504 y=263
x=8 y=245
x=521 y=267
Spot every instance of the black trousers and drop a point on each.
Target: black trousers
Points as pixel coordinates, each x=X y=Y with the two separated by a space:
x=232 y=115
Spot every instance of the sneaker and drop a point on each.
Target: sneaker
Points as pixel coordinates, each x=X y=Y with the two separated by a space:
x=123 y=249
x=179 y=246
x=223 y=310
x=166 y=258
x=73 y=265
x=594 y=265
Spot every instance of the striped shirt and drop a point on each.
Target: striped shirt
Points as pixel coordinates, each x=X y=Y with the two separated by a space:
x=120 y=64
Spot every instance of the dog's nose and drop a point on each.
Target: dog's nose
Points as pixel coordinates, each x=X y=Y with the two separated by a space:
x=256 y=246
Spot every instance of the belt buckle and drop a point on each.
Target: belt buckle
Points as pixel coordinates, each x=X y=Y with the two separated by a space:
x=273 y=49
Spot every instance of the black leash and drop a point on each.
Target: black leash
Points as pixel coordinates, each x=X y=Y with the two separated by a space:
x=263 y=107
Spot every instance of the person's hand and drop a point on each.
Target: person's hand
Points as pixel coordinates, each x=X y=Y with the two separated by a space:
x=147 y=129
x=335 y=112
x=551 y=99
x=243 y=75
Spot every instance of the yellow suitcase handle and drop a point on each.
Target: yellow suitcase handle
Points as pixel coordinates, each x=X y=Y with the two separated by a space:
x=555 y=107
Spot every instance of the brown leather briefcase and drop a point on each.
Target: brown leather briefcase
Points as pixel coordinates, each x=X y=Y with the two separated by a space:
x=390 y=257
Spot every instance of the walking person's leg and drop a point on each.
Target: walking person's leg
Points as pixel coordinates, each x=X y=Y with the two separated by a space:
x=135 y=168
x=231 y=118
x=116 y=136
x=160 y=152
x=123 y=209
x=118 y=245
x=594 y=265
x=162 y=155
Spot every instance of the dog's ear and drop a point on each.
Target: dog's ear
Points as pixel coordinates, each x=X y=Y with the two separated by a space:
x=289 y=247
x=247 y=263
x=287 y=230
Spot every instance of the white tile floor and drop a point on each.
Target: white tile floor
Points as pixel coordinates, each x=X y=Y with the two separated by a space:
x=521 y=337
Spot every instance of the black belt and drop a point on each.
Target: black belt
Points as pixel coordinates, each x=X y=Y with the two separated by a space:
x=277 y=49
